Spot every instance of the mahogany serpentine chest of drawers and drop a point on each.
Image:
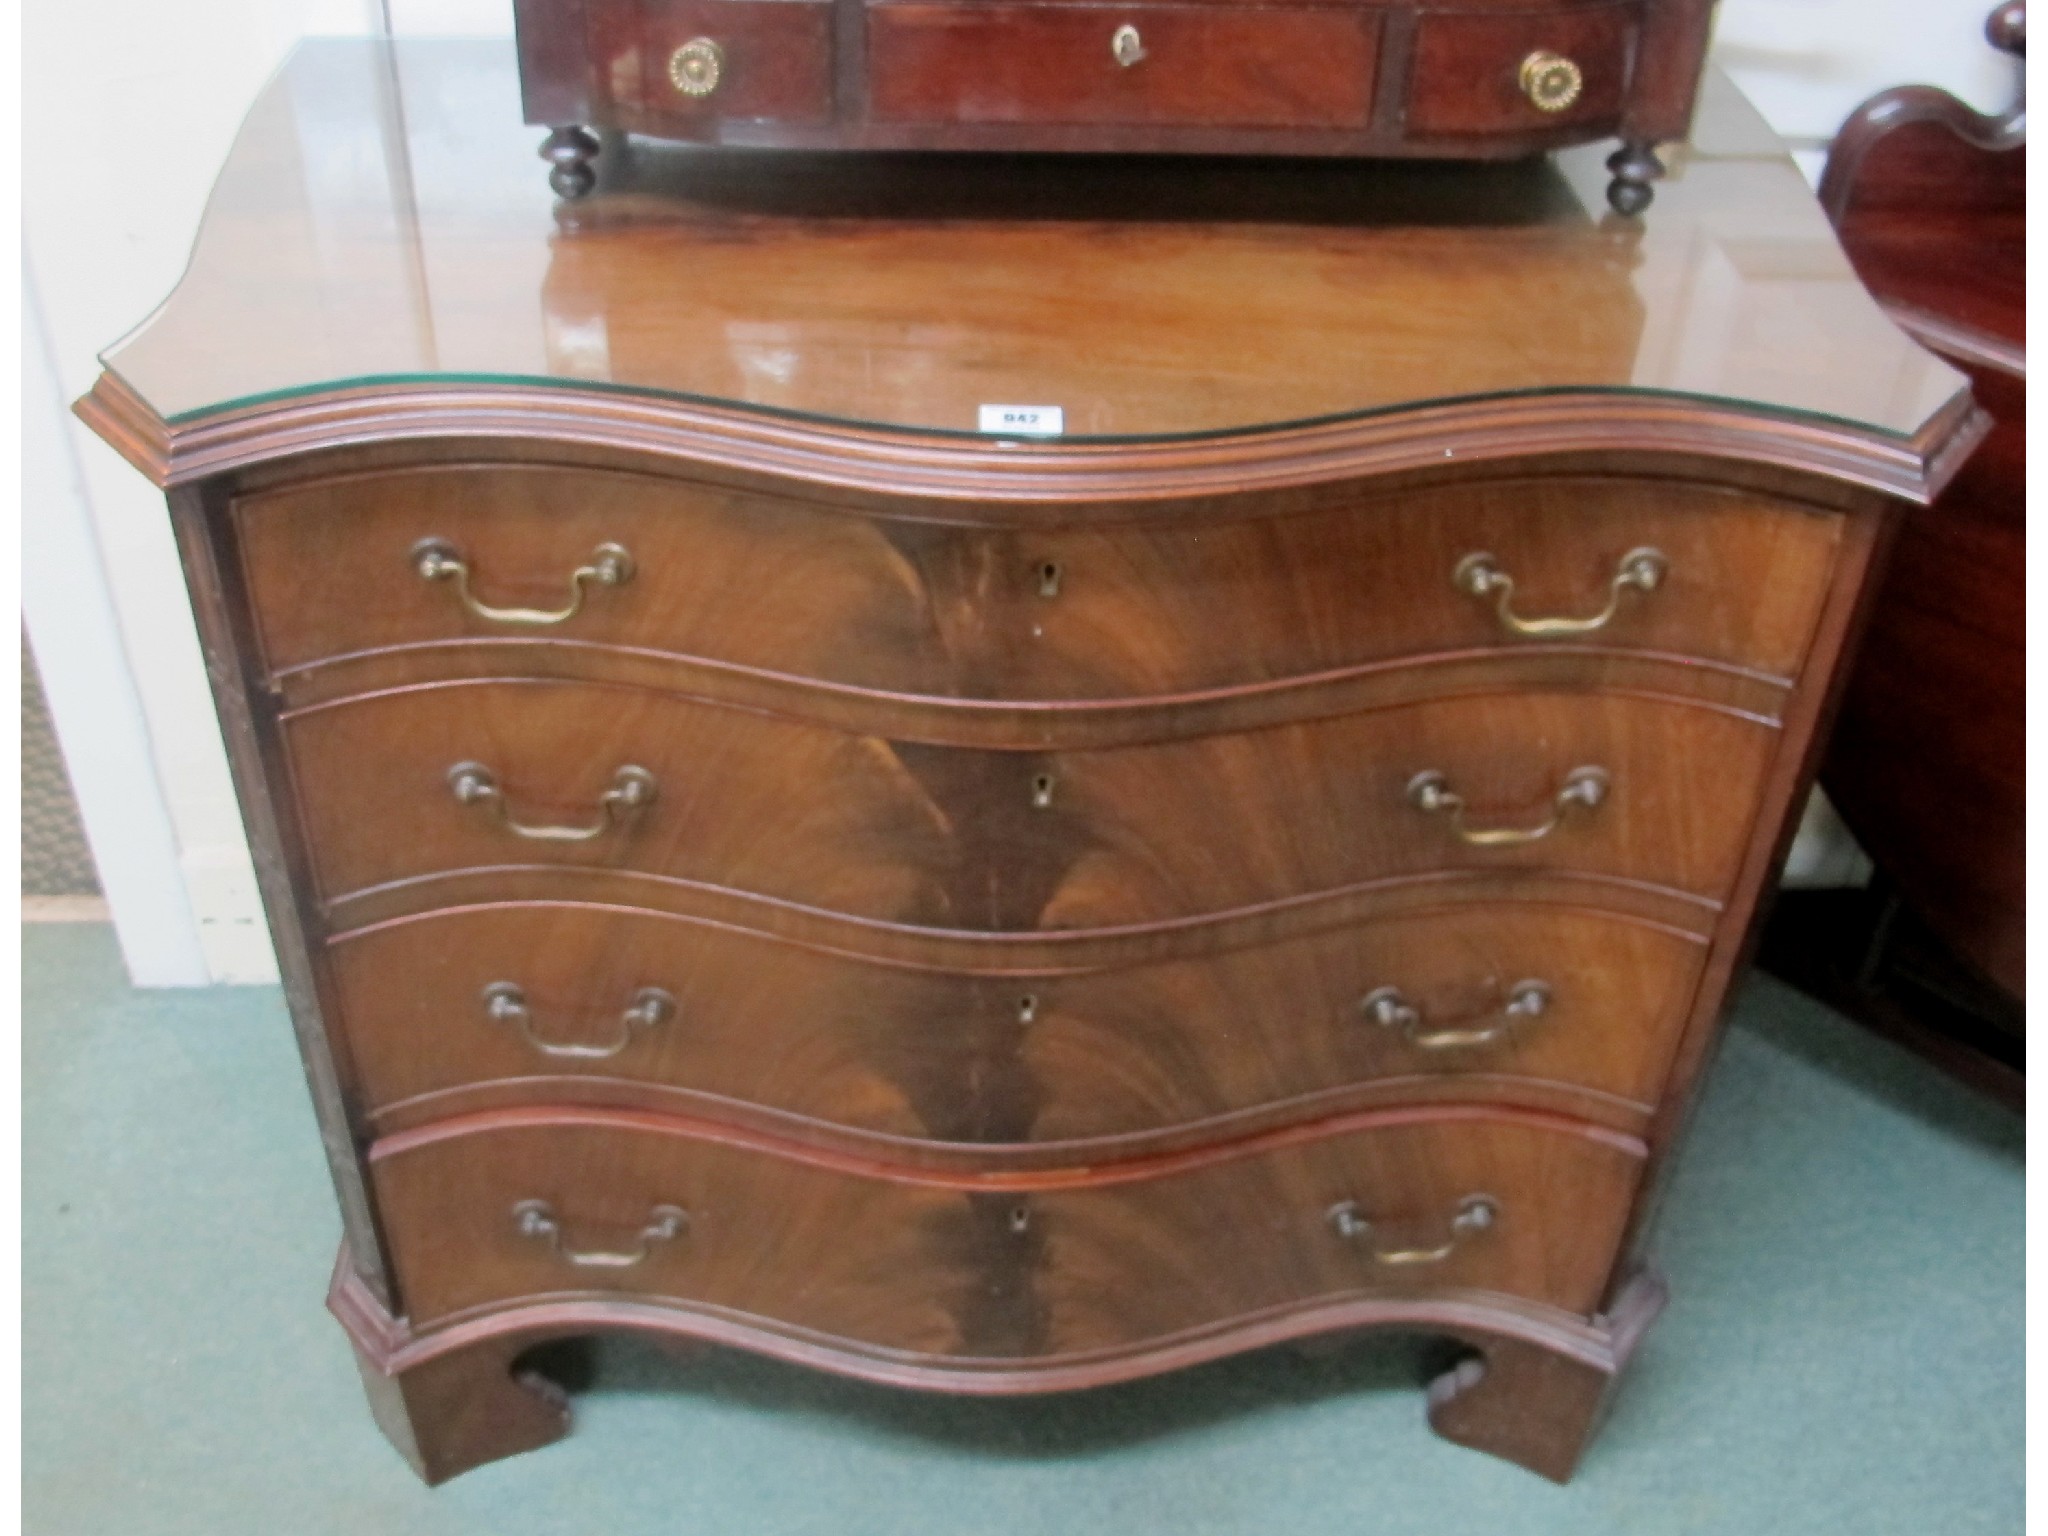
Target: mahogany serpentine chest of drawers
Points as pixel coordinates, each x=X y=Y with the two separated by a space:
x=763 y=852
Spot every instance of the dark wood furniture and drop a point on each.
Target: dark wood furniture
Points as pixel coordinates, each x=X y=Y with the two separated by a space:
x=1927 y=760
x=756 y=860
x=1471 y=79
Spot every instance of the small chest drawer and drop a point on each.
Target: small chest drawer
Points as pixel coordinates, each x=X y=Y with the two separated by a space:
x=1275 y=67
x=535 y=1203
x=1519 y=70
x=423 y=782
x=560 y=566
x=735 y=60
x=650 y=1009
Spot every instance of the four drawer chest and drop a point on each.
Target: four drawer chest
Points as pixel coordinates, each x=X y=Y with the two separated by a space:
x=764 y=849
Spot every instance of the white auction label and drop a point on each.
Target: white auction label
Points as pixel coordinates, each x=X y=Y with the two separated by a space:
x=1029 y=420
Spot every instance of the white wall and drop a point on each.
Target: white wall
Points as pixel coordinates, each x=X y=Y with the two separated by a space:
x=134 y=104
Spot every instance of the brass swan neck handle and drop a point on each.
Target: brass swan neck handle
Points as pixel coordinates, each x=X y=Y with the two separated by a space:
x=610 y=565
x=632 y=789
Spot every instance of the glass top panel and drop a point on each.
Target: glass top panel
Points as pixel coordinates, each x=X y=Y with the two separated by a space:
x=383 y=217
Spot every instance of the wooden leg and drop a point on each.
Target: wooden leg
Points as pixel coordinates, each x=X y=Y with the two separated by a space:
x=569 y=151
x=1536 y=1406
x=464 y=1408
x=1636 y=167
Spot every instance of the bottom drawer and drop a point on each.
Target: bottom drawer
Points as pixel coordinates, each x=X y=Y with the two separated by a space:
x=545 y=1202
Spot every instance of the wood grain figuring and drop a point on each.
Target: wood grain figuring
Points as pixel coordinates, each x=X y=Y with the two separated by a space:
x=937 y=1271
x=1538 y=1411
x=913 y=608
x=1202 y=64
x=948 y=839
x=980 y=981
x=1051 y=952
x=999 y=1057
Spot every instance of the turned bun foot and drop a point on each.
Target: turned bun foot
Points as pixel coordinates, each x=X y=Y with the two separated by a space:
x=1636 y=167
x=1536 y=1405
x=569 y=152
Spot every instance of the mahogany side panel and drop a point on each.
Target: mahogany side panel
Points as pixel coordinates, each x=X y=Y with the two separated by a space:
x=221 y=611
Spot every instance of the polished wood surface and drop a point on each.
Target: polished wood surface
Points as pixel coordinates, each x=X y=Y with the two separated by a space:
x=1006 y=1054
x=1205 y=77
x=778 y=58
x=1060 y=612
x=1308 y=67
x=1928 y=758
x=992 y=1272
x=1464 y=77
x=948 y=839
x=995 y=926
x=1251 y=294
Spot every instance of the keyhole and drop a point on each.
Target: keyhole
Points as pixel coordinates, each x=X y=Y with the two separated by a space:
x=1041 y=792
x=1049 y=579
x=1027 y=1008
x=1020 y=1219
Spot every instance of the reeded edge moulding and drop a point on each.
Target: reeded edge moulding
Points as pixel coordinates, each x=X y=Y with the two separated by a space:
x=901 y=463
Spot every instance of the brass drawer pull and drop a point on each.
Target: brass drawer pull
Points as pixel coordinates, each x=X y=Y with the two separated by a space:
x=438 y=560
x=536 y=1218
x=1551 y=81
x=1126 y=47
x=632 y=788
x=1386 y=1006
x=1430 y=792
x=1640 y=570
x=505 y=1003
x=696 y=68
x=1476 y=1214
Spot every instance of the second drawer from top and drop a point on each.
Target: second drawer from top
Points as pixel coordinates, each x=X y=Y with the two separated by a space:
x=422 y=571
x=401 y=791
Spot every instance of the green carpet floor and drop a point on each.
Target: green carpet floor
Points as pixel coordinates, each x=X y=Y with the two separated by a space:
x=1842 y=1353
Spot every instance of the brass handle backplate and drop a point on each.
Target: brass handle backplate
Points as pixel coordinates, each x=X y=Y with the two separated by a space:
x=1430 y=792
x=1640 y=570
x=536 y=1218
x=1475 y=1214
x=632 y=788
x=1126 y=47
x=505 y=1003
x=1389 y=1008
x=1551 y=81
x=438 y=560
x=696 y=68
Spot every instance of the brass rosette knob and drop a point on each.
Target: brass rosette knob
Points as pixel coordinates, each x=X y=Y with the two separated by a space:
x=1551 y=81
x=696 y=67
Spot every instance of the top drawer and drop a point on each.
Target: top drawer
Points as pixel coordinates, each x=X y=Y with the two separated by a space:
x=1142 y=64
x=1059 y=613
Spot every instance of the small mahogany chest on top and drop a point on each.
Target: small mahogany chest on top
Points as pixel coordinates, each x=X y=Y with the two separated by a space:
x=1474 y=79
